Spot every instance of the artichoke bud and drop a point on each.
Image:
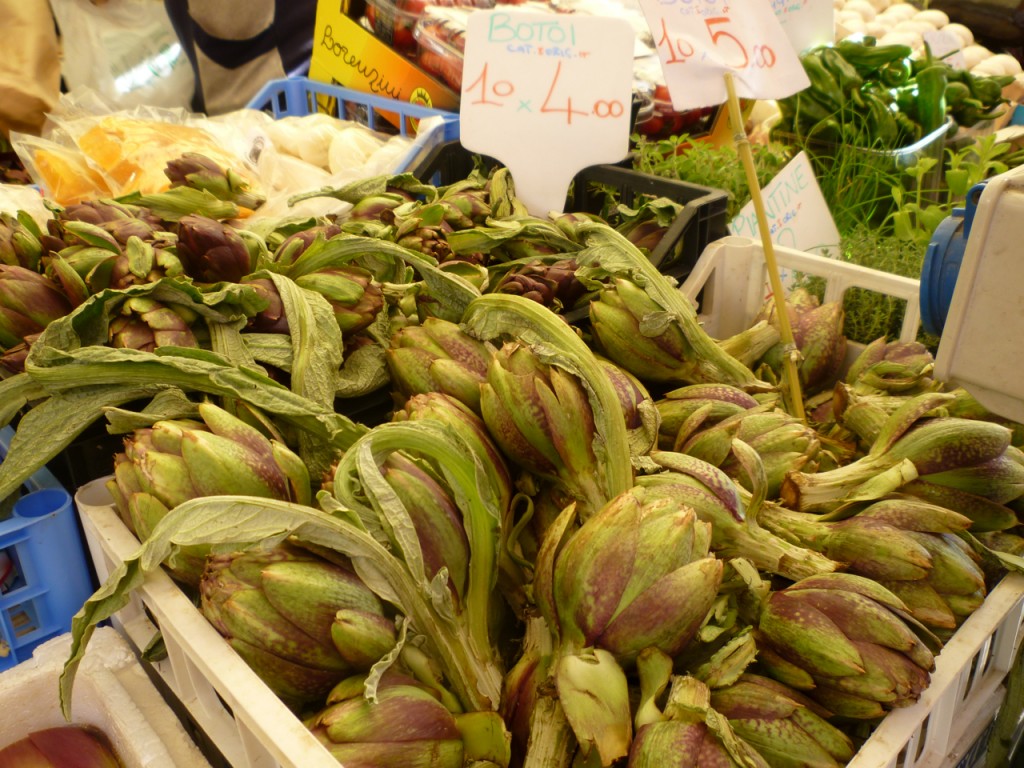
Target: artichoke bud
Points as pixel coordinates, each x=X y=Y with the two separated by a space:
x=594 y=694
x=362 y=638
x=198 y=171
x=851 y=636
x=28 y=303
x=783 y=725
x=62 y=745
x=471 y=428
x=485 y=741
x=352 y=293
x=818 y=334
x=435 y=516
x=636 y=574
x=438 y=356
x=211 y=251
x=892 y=366
x=653 y=350
x=680 y=404
x=145 y=324
x=277 y=608
x=406 y=727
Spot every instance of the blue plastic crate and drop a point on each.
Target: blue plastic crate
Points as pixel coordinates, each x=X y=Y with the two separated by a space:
x=51 y=577
x=299 y=96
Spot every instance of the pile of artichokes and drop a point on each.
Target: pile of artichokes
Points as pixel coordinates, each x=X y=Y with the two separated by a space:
x=449 y=527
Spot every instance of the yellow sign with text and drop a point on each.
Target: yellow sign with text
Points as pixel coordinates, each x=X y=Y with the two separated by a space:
x=345 y=54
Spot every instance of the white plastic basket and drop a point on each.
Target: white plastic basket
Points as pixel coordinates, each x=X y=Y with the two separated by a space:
x=241 y=716
x=112 y=693
x=731 y=281
x=251 y=727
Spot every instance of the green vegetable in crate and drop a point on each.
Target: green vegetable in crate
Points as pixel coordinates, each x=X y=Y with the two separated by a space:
x=846 y=641
x=353 y=294
x=907 y=447
x=197 y=171
x=690 y=733
x=293 y=617
x=716 y=500
x=19 y=241
x=438 y=356
x=541 y=417
x=552 y=284
x=211 y=251
x=173 y=461
x=906 y=545
x=405 y=727
x=817 y=333
x=114 y=255
x=62 y=746
x=28 y=303
x=787 y=728
x=680 y=405
x=144 y=323
x=638 y=573
x=782 y=441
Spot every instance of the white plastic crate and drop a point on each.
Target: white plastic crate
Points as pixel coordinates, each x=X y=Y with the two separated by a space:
x=112 y=693
x=241 y=716
x=251 y=727
x=732 y=274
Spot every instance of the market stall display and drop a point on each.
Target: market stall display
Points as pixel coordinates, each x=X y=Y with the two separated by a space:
x=417 y=477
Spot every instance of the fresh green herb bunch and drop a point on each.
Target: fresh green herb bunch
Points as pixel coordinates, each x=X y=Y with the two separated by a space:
x=700 y=162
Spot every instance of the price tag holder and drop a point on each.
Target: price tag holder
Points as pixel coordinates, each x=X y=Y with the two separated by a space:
x=547 y=95
x=698 y=41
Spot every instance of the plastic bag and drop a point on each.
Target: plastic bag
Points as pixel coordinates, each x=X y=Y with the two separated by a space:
x=126 y=50
x=88 y=151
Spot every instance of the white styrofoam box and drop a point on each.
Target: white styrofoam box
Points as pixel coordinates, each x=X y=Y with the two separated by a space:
x=112 y=693
x=258 y=730
x=981 y=340
x=733 y=276
x=242 y=717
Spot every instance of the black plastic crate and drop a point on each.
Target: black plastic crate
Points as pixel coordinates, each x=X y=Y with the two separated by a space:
x=702 y=220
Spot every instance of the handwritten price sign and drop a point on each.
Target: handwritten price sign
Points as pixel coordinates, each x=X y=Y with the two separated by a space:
x=698 y=41
x=547 y=95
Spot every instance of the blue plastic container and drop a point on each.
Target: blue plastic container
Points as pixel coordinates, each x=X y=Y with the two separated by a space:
x=299 y=96
x=942 y=262
x=51 y=577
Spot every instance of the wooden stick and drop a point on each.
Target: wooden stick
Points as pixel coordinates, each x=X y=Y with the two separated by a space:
x=791 y=372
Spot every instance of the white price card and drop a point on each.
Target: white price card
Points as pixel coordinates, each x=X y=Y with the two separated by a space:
x=798 y=216
x=698 y=41
x=808 y=23
x=546 y=95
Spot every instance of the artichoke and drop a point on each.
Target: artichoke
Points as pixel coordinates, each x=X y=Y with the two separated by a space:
x=197 y=171
x=636 y=574
x=406 y=727
x=28 y=303
x=438 y=356
x=847 y=642
x=174 y=461
x=278 y=610
x=784 y=726
x=211 y=251
x=144 y=323
x=353 y=294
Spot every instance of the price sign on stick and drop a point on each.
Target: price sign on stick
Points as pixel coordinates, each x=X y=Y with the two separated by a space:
x=547 y=95
x=699 y=41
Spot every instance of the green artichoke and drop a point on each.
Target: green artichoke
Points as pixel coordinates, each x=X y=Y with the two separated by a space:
x=174 y=461
x=278 y=609
x=406 y=727
x=847 y=642
x=28 y=303
x=636 y=574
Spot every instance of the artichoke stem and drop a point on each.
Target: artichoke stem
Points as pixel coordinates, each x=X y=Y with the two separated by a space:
x=552 y=743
